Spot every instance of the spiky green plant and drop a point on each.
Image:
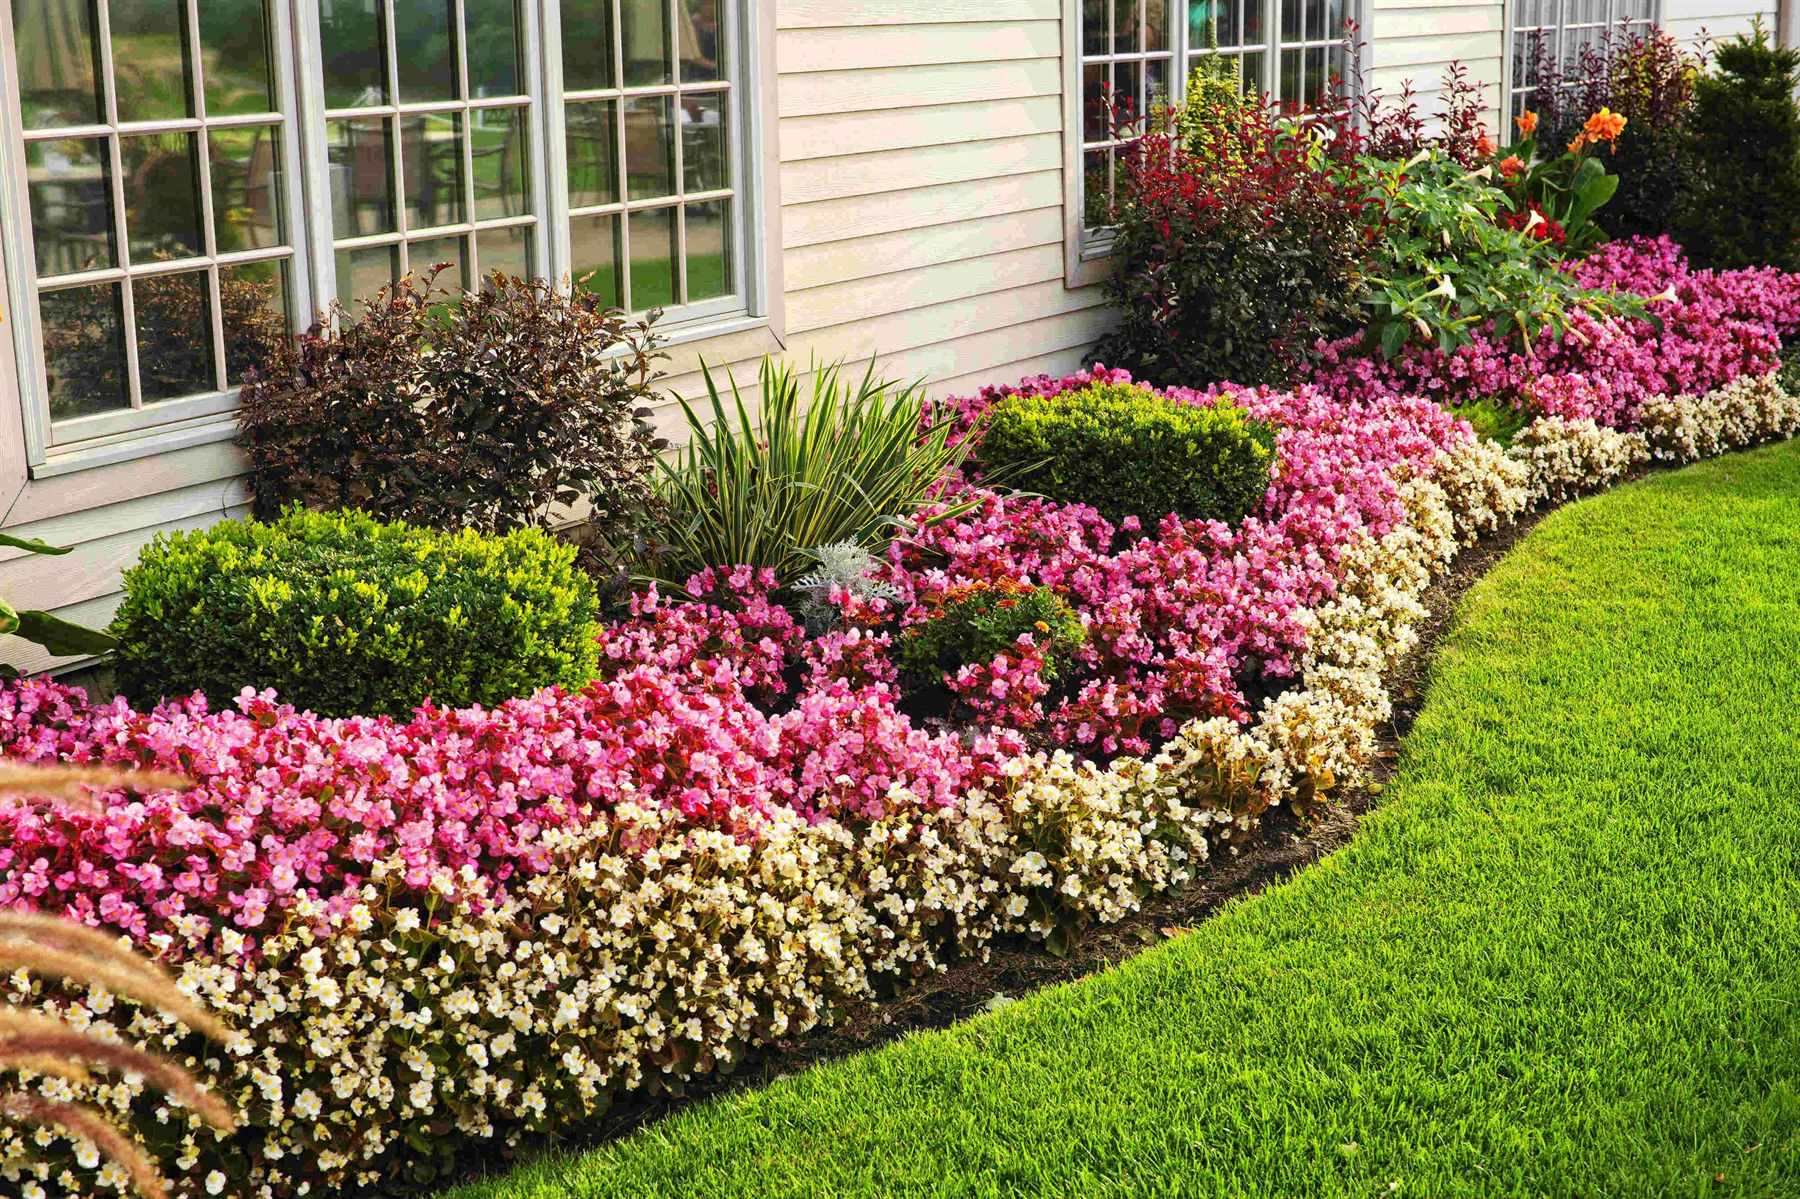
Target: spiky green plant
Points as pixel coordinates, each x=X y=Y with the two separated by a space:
x=836 y=461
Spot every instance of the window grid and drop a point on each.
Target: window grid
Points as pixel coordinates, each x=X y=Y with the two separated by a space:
x=395 y=117
x=1285 y=49
x=127 y=274
x=613 y=105
x=1565 y=28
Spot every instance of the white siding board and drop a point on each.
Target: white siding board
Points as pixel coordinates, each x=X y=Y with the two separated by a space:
x=832 y=134
x=839 y=303
x=883 y=254
x=824 y=14
x=912 y=87
x=901 y=170
x=861 y=216
x=864 y=46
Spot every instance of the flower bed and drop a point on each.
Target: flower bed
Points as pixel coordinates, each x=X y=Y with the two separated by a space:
x=485 y=923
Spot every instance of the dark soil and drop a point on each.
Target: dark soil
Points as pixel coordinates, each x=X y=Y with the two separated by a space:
x=1018 y=967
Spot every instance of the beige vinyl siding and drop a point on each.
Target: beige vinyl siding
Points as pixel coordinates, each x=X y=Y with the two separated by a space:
x=1415 y=40
x=1694 y=21
x=921 y=190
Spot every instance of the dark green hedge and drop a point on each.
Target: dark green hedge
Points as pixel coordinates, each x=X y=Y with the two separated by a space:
x=1129 y=452
x=345 y=615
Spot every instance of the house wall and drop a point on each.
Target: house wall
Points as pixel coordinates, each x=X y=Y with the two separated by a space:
x=916 y=157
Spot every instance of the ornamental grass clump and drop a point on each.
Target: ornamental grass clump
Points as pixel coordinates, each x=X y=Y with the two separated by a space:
x=1127 y=451
x=822 y=464
x=346 y=615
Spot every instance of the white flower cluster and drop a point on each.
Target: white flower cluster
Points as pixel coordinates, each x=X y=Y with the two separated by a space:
x=376 y=1041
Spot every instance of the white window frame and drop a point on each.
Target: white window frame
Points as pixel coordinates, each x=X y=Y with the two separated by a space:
x=1088 y=249
x=746 y=35
x=1615 y=17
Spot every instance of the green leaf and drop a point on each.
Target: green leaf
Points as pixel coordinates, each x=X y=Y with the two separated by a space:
x=62 y=637
x=32 y=545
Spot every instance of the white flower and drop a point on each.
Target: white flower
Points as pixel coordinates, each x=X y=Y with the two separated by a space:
x=215 y=1182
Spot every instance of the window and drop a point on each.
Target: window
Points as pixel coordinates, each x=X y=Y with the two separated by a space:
x=428 y=132
x=1141 y=51
x=1553 y=34
x=185 y=178
x=157 y=230
x=649 y=153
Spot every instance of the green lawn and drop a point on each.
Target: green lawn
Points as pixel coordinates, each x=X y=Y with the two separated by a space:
x=1562 y=959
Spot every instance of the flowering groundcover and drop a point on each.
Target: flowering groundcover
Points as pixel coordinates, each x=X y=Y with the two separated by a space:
x=487 y=923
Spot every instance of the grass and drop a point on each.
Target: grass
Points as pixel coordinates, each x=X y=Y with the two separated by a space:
x=1563 y=958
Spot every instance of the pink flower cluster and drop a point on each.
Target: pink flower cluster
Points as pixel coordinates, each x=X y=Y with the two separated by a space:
x=289 y=804
x=1183 y=622
x=1715 y=326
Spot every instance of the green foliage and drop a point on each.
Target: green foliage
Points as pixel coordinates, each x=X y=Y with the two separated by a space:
x=1127 y=451
x=1568 y=190
x=476 y=414
x=975 y=624
x=1742 y=206
x=346 y=615
x=59 y=636
x=1444 y=267
x=1492 y=419
x=833 y=462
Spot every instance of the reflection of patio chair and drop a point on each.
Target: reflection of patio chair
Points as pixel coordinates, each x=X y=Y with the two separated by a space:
x=591 y=153
x=510 y=168
x=72 y=224
x=245 y=201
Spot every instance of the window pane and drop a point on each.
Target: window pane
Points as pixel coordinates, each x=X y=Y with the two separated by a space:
x=593 y=154
x=1156 y=83
x=652 y=259
x=246 y=188
x=425 y=50
x=493 y=29
x=649 y=147
x=709 y=272
x=58 y=84
x=1127 y=30
x=431 y=152
x=1252 y=13
x=1094 y=27
x=449 y=253
x=645 y=33
x=151 y=70
x=1128 y=95
x=71 y=204
x=1290 y=76
x=362 y=179
x=505 y=250
x=234 y=57
x=1156 y=22
x=501 y=166
x=162 y=195
x=1292 y=22
x=587 y=45
x=84 y=350
x=697 y=37
x=253 y=303
x=363 y=272
x=1096 y=103
x=352 y=34
x=1096 y=184
x=174 y=335
x=1253 y=74
x=594 y=256
x=705 y=153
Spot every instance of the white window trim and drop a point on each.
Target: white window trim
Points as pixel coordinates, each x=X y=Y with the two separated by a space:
x=26 y=449
x=1087 y=253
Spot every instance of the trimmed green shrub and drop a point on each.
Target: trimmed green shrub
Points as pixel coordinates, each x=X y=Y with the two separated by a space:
x=345 y=615
x=1127 y=451
x=972 y=625
x=1742 y=206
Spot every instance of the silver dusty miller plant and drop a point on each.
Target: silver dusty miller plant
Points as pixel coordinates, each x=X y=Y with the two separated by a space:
x=842 y=564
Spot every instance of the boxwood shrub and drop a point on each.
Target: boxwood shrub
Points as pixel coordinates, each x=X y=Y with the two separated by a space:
x=346 y=615
x=1127 y=451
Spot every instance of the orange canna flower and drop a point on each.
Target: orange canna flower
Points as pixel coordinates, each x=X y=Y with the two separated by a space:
x=1527 y=123
x=1484 y=146
x=1511 y=165
x=1579 y=141
x=1604 y=126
